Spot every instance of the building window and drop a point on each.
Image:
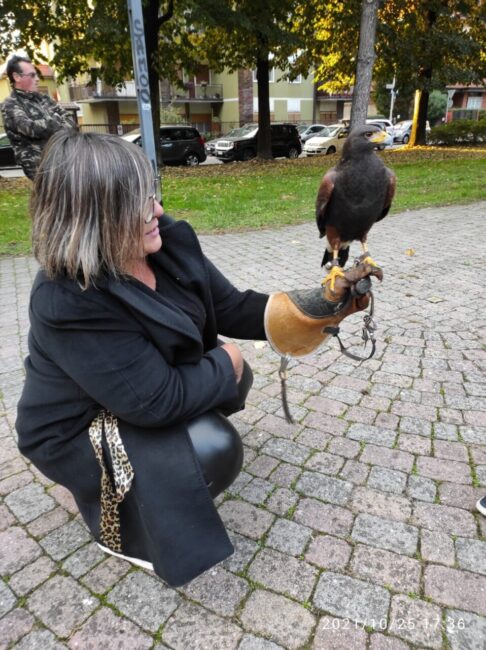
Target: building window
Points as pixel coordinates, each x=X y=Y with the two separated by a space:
x=255 y=105
x=271 y=75
x=474 y=102
x=297 y=80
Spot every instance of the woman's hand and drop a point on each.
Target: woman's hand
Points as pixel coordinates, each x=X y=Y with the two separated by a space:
x=236 y=359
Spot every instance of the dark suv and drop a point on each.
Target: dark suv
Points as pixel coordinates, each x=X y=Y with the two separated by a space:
x=242 y=144
x=179 y=144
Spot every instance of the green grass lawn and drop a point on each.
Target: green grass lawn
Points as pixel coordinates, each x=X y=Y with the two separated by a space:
x=217 y=198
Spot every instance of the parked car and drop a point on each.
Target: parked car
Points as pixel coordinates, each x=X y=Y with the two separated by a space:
x=243 y=146
x=403 y=130
x=210 y=145
x=179 y=144
x=383 y=123
x=307 y=131
x=329 y=141
x=7 y=157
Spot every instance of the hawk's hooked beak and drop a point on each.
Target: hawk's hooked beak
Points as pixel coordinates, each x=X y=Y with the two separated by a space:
x=377 y=137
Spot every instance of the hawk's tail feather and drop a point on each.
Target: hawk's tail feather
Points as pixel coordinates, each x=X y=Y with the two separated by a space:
x=343 y=256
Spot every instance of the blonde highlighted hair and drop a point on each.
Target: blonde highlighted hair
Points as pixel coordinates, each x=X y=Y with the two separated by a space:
x=90 y=198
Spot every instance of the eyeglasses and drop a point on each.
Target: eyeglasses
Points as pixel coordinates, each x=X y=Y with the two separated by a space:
x=153 y=199
x=32 y=75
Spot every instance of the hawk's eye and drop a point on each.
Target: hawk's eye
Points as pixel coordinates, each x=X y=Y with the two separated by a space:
x=368 y=134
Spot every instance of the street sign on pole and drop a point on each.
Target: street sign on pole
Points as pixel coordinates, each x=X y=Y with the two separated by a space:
x=140 y=69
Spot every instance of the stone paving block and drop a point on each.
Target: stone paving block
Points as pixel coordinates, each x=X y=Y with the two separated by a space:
x=262 y=466
x=62 y=604
x=286 y=450
x=478 y=453
x=280 y=620
x=16 y=550
x=314 y=439
x=16 y=624
x=387 y=480
x=339 y=634
x=106 y=630
x=451 y=416
x=256 y=438
x=48 y=522
x=445 y=431
x=288 y=537
x=217 y=590
x=13 y=466
x=29 y=502
x=414 y=444
x=325 y=463
x=241 y=481
x=245 y=549
x=323 y=487
x=451 y=450
x=381 y=504
x=329 y=552
x=281 y=501
x=454 y=521
x=381 y=642
x=325 y=405
x=64 y=540
x=278 y=427
x=355 y=472
x=106 y=574
x=326 y=423
x=474 y=434
x=324 y=517
x=423 y=489
x=465 y=631
x=372 y=434
x=32 y=575
x=144 y=599
x=251 y=642
x=437 y=546
x=397 y=572
x=471 y=555
x=15 y=482
x=391 y=458
x=416 y=621
x=285 y=475
x=461 y=496
x=283 y=574
x=387 y=420
x=6 y=518
x=40 y=639
x=7 y=599
x=383 y=533
x=256 y=491
x=415 y=426
x=344 y=447
x=194 y=628
x=456 y=589
x=444 y=470
x=245 y=518
x=64 y=498
x=81 y=561
x=356 y=600
x=481 y=474
x=360 y=414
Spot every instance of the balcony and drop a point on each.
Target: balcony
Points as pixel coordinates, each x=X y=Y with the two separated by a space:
x=198 y=93
x=100 y=90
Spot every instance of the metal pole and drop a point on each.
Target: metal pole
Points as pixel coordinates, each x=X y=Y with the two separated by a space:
x=140 y=69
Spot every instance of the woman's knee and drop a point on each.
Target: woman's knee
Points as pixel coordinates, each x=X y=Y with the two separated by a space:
x=219 y=449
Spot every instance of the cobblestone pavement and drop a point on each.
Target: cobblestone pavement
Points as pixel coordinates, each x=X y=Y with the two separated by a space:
x=354 y=528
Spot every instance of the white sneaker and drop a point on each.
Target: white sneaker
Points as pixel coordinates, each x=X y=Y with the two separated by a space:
x=141 y=563
x=481 y=506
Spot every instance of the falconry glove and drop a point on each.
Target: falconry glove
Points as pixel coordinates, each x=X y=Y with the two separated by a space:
x=298 y=322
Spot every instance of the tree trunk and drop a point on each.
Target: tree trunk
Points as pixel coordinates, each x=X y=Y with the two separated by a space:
x=366 y=58
x=264 y=137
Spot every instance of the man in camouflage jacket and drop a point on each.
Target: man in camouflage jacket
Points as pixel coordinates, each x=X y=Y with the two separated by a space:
x=30 y=117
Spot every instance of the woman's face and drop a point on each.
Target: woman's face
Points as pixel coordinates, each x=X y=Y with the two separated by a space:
x=152 y=242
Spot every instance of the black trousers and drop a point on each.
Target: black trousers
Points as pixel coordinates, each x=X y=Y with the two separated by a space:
x=217 y=443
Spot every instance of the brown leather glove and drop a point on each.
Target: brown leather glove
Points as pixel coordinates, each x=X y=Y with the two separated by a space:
x=296 y=322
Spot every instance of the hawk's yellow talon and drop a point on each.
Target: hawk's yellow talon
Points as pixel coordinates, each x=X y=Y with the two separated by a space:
x=369 y=260
x=335 y=272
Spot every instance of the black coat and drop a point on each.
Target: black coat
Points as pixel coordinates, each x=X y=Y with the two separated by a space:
x=122 y=347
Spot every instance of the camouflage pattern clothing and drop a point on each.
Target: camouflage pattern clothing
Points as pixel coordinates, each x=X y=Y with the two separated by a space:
x=30 y=119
